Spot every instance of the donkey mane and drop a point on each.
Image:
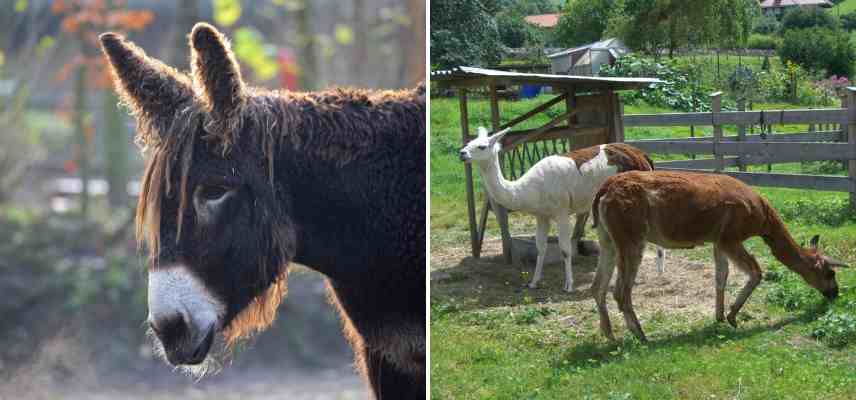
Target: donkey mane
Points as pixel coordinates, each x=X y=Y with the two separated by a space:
x=339 y=125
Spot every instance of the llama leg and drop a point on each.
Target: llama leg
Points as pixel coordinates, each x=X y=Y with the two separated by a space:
x=605 y=268
x=567 y=251
x=747 y=263
x=629 y=260
x=541 y=244
x=661 y=259
x=721 y=262
x=579 y=232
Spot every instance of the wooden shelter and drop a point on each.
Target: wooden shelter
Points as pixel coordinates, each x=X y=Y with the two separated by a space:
x=592 y=115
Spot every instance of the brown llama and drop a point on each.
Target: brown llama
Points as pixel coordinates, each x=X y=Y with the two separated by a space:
x=241 y=181
x=680 y=210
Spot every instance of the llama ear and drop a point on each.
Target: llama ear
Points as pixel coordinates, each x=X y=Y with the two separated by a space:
x=814 y=241
x=482 y=131
x=153 y=90
x=833 y=263
x=216 y=74
x=497 y=137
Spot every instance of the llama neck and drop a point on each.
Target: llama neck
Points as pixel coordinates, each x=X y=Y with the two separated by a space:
x=497 y=186
x=782 y=244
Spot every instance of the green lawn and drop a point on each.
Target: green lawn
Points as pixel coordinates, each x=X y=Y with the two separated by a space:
x=490 y=338
x=844 y=7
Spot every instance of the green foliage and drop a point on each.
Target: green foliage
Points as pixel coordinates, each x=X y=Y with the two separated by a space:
x=515 y=32
x=462 y=33
x=531 y=314
x=829 y=212
x=848 y=21
x=763 y=42
x=819 y=49
x=226 y=12
x=678 y=91
x=808 y=17
x=655 y=25
x=766 y=25
x=838 y=327
x=252 y=50
x=743 y=83
x=583 y=21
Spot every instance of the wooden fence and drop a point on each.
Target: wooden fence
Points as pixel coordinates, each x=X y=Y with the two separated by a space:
x=837 y=143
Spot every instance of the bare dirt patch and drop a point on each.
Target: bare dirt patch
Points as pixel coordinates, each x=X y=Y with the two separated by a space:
x=686 y=287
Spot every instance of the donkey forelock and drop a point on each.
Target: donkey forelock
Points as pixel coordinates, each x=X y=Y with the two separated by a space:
x=181 y=116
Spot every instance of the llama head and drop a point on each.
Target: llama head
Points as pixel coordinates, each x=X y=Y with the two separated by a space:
x=483 y=147
x=819 y=272
x=215 y=224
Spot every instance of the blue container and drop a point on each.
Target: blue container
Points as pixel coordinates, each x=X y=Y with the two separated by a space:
x=529 y=91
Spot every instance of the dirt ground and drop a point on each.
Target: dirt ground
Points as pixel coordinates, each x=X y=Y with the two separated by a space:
x=685 y=288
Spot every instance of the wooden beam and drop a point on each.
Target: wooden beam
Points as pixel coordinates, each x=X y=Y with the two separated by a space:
x=499 y=209
x=531 y=113
x=835 y=115
x=793 y=181
x=827 y=136
x=753 y=151
x=541 y=130
x=468 y=172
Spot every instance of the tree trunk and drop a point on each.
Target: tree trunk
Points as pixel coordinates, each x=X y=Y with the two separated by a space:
x=82 y=138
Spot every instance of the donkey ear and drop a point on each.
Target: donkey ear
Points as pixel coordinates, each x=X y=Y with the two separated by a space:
x=814 y=241
x=216 y=73
x=153 y=90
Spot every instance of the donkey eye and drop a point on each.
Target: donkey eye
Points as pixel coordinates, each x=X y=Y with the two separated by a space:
x=212 y=192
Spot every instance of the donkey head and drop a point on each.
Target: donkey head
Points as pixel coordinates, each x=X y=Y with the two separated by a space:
x=216 y=228
x=483 y=147
x=820 y=273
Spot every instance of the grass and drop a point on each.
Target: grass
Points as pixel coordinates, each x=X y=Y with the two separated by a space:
x=491 y=339
x=846 y=6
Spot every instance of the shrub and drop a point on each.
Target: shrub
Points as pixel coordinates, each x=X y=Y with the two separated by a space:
x=801 y=18
x=848 y=21
x=462 y=33
x=837 y=328
x=680 y=89
x=763 y=42
x=819 y=49
x=743 y=83
x=766 y=25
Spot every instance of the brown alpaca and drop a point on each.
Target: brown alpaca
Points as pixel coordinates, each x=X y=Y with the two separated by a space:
x=679 y=210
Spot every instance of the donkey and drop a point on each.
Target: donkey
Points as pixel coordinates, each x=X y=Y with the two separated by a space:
x=554 y=188
x=681 y=210
x=240 y=181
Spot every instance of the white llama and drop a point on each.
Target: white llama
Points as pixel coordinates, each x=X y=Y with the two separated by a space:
x=554 y=188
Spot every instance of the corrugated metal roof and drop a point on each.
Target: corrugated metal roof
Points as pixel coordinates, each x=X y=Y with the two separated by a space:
x=543 y=20
x=463 y=74
x=792 y=3
x=606 y=44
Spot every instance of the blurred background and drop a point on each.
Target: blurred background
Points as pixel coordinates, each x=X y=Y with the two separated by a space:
x=72 y=282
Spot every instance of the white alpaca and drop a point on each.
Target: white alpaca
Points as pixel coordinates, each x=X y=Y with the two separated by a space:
x=554 y=188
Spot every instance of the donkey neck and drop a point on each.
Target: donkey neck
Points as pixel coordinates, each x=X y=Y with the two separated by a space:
x=500 y=189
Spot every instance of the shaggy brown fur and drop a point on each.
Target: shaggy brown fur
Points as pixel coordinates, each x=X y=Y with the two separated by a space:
x=624 y=156
x=348 y=155
x=684 y=210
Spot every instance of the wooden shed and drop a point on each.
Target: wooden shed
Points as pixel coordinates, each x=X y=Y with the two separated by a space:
x=592 y=115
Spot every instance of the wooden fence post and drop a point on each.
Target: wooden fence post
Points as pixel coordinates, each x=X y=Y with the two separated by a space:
x=500 y=211
x=851 y=140
x=741 y=133
x=468 y=172
x=715 y=109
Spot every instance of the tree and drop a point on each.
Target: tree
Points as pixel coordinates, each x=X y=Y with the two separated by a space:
x=583 y=21
x=655 y=25
x=800 y=18
x=819 y=49
x=462 y=33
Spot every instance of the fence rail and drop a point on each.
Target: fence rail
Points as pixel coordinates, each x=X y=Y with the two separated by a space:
x=765 y=148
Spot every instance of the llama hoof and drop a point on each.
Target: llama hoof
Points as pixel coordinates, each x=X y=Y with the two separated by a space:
x=532 y=285
x=569 y=288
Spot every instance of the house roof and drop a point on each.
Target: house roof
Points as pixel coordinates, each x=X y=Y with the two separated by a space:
x=792 y=3
x=471 y=76
x=606 y=44
x=543 y=20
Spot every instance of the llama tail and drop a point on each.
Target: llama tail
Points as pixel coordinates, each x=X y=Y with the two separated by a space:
x=595 y=205
x=650 y=161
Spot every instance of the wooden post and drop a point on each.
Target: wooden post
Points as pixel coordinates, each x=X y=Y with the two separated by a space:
x=619 y=118
x=851 y=139
x=570 y=104
x=498 y=209
x=715 y=108
x=468 y=172
x=741 y=133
